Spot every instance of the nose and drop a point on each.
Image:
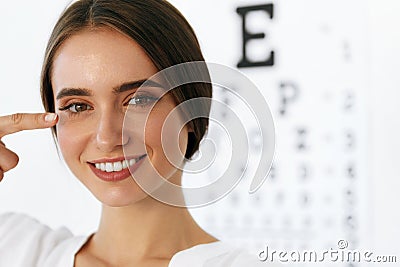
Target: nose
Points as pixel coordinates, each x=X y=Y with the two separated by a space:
x=109 y=132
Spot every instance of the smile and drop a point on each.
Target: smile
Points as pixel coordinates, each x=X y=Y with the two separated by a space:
x=118 y=165
x=117 y=169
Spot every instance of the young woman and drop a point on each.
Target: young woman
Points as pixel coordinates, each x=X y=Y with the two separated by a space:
x=98 y=55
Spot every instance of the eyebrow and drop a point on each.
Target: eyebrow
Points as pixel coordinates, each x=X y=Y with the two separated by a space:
x=116 y=90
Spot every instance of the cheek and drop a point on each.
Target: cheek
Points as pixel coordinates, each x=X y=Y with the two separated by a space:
x=166 y=142
x=153 y=134
x=70 y=139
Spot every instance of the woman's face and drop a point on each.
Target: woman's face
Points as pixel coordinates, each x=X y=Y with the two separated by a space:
x=95 y=78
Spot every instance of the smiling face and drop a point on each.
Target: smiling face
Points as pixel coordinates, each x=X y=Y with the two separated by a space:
x=95 y=80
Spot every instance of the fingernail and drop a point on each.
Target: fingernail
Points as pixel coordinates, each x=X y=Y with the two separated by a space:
x=50 y=117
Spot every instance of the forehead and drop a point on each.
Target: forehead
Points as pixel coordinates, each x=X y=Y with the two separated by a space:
x=99 y=57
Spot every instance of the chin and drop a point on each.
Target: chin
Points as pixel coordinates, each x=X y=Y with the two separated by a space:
x=120 y=197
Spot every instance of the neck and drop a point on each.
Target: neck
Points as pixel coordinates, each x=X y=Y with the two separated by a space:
x=147 y=229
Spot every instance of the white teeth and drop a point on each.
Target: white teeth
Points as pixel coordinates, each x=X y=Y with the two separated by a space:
x=115 y=166
x=109 y=167
x=124 y=164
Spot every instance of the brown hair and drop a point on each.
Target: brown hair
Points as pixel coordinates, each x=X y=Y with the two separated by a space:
x=158 y=27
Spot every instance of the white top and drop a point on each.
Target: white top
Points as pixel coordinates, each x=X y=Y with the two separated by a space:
x=25 y=242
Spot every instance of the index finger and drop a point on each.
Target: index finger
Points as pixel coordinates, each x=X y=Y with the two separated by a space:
x=26 y=121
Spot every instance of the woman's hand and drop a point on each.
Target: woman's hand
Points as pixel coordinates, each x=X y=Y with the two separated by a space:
x=19 y=122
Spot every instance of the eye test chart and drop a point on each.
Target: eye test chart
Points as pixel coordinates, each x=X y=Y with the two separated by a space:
x=309 y=59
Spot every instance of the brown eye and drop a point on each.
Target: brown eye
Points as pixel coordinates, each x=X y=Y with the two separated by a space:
x=79 y=107
x=142 y=100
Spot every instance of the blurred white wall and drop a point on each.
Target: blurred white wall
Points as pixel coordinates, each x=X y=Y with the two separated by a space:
x=385 y=123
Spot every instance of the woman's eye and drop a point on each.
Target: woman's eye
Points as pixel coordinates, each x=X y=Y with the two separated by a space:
x=77 y=107
x=142 y=100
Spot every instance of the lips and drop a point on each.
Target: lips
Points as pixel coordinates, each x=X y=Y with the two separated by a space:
x=117 y=169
